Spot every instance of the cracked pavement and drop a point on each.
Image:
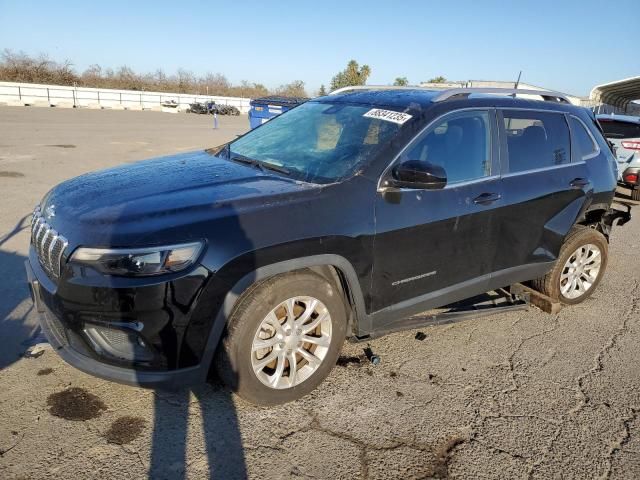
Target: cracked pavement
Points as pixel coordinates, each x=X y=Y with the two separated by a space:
x=522 y=394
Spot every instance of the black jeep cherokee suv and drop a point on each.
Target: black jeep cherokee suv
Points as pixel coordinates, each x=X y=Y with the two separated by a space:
x=338 y=219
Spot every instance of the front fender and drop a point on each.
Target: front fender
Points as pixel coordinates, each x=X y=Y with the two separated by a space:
x=204 y=335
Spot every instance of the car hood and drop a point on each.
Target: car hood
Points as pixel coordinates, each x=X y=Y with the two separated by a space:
x=130 y=202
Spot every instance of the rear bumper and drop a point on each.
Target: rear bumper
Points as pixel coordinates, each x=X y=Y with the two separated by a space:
x=54 y=330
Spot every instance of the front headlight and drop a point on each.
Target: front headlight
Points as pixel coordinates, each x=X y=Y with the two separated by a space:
x=138 y=261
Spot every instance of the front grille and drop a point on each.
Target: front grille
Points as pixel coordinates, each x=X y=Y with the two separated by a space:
x=48 y=244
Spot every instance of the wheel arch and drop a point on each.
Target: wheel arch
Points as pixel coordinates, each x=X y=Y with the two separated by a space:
x=334 y=268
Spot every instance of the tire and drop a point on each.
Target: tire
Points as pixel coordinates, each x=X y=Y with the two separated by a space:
x=252 y=321
x=635 y=194
x=588 y=241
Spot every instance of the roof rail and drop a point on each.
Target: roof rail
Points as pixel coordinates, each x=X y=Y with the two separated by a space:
x=372 y=87
x=445 y=94
x=547 y=96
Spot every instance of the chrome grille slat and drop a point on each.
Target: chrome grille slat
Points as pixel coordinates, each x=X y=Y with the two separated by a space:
x=52 y=244
x=48 y=244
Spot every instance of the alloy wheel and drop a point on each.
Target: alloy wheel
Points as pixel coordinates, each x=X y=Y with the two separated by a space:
x=291 y=342
x=580 y=271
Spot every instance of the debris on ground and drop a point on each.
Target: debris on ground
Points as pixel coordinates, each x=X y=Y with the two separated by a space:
x=421 y=336
x=37 y=350
x=346 y=360
x=372 y=357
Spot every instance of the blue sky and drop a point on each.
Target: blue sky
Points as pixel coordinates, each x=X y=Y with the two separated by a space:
x=565 y=45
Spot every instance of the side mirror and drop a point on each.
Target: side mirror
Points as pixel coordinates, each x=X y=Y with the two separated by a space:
x=417 y=174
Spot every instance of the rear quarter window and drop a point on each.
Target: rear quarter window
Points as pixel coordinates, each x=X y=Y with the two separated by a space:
x=536 y=139
x=583 y=142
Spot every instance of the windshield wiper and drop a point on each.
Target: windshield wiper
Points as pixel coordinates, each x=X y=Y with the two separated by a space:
x=275 y=168
x=242 y=159
x=259 y=164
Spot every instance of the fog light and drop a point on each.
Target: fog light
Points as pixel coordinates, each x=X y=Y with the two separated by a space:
x=119 y=344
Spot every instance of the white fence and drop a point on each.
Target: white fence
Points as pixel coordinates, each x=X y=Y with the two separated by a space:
x=60 y=96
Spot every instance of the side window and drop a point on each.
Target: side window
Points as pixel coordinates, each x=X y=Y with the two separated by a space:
x=582 y=141
x=461 y=144
x=536 y=139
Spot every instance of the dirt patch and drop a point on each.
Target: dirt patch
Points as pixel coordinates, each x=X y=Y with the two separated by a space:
x=125 y=430
x=5 y=174
x=75 y=404
x=45 y=371
x=63 y=145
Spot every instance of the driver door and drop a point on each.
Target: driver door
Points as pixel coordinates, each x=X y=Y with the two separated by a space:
x=433 y=247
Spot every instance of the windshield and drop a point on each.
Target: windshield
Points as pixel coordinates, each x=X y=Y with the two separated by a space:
x=316 y=142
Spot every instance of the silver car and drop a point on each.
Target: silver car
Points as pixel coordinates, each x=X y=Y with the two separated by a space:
x=623 y=131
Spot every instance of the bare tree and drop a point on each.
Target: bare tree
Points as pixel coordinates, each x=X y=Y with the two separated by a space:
x=20 y=67
x=293 y=89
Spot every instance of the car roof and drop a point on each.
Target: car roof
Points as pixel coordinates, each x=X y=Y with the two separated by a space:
x=410 y=99
x=391 y=98
x=620 y=118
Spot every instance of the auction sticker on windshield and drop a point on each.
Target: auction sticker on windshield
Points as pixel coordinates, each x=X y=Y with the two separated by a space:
x=388 y=115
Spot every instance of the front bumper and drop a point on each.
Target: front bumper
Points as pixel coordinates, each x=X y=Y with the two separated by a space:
x=66 y=344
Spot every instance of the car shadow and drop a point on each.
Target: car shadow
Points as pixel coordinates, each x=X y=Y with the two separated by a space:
x=15 y=309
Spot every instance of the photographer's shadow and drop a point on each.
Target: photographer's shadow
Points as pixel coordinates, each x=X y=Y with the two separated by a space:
x=223 y=455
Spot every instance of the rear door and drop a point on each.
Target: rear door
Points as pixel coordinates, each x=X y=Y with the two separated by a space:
x=544 y=192
x=625 y=136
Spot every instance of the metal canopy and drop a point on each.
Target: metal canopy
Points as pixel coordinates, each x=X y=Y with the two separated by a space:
x=619 y=93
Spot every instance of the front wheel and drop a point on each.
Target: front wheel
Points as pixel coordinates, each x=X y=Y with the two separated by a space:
x=283 y=338
x=579 y=268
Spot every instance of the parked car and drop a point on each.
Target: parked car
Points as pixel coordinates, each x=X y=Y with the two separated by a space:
x=623 y=131
x=338 y=219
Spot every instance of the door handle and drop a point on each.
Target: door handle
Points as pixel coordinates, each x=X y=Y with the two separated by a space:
x=487 y=198
x=579 y=183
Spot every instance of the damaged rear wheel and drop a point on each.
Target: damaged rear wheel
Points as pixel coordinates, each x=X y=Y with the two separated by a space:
x=579 y=268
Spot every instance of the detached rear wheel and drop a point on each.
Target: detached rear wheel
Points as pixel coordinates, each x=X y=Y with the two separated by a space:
x=579 y=268
x=283 y=338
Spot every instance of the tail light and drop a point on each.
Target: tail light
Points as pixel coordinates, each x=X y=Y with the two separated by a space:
x=633 y=145
x=631 y=178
